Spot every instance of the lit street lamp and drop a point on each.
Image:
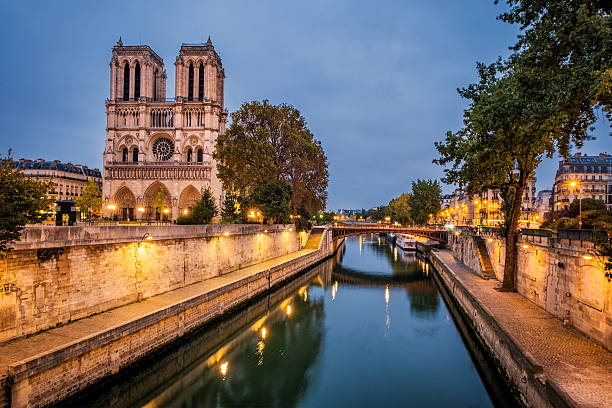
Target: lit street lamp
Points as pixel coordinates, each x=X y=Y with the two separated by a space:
x=573 y=184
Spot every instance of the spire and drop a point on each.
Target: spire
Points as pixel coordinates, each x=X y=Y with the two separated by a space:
x=209 y=44
x=119 y=43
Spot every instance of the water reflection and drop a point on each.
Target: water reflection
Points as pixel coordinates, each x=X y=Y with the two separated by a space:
x=324 y=339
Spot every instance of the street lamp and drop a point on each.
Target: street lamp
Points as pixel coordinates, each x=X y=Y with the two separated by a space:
x=573 y=184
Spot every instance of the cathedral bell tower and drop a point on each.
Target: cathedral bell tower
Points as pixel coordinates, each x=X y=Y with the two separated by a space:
x=154 y=144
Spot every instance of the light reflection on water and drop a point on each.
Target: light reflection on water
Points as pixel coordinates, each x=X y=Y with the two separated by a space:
x=328 y=342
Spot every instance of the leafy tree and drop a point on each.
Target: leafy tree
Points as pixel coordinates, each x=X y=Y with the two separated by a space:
x=160 y=200
x=91 y=200
x=540 y=101
x=22 y=201
x=588 y=204
x=376 y=213
x=399 y=209
x=327 y=217
x=271 y=143
x=205 y=209
x=231 y=213
x=425 y=200
x=272 y=198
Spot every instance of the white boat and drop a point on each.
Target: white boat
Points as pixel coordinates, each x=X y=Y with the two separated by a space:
x=406 y=242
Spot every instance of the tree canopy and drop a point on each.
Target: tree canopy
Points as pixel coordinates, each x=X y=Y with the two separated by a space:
x=269 y=143
x=91 y=200
x=272 y=199
x=425 y=200
x=22 y=201
x=204 y=210
x=399 y=209
x=542 y=100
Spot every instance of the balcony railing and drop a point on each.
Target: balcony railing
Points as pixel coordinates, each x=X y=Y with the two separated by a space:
x=168 y=163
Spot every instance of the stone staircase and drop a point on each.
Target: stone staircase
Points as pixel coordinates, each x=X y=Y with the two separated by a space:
x=314 y=240
x=483 y=256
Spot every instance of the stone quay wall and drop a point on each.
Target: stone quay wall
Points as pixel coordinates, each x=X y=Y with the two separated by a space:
x=55 y=375
x=55 y=275
x=554 y=275
x=518 y=365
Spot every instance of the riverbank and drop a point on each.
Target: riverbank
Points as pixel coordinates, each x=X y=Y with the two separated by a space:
x=551 y=366
x=52 y=365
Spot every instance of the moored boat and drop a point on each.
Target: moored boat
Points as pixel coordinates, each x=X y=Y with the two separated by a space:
x=406 y=242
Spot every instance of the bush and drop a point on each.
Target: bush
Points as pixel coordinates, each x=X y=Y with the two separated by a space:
x=302 y=224
x=185 y=220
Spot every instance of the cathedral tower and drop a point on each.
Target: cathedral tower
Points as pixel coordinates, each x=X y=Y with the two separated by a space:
x=155 y=144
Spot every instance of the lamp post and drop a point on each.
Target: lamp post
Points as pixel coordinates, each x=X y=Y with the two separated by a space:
x=573 y=184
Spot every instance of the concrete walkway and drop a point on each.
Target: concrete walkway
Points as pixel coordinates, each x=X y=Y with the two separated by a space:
x=61 y=337
x=580 y=367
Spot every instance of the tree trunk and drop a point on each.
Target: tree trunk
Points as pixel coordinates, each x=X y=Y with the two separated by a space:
x=508 y=285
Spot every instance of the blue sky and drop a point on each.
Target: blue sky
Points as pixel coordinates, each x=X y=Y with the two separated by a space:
x=376 y=81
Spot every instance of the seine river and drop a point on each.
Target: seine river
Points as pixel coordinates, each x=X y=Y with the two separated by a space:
x=368 y=328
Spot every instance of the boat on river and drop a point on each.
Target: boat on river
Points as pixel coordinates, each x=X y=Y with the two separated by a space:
x=406 y=242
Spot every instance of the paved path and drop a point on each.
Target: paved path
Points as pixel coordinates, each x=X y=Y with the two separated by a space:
x=580 y=367
x=60 y=337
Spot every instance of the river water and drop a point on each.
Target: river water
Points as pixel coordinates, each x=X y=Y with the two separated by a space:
x=367 y=328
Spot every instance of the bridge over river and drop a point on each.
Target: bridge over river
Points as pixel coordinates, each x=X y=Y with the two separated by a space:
x=343 y=230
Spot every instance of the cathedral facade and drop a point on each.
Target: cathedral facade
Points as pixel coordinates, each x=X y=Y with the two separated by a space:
x=156 y=144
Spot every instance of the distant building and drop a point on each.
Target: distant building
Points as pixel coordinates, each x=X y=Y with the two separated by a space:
x=590 y=174
x=543 y=206
x=445 y=201
x=485 y=208
x=69 y=180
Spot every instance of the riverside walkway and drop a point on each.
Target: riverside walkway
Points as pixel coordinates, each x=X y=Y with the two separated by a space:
x=41 y=351
x=581 y=368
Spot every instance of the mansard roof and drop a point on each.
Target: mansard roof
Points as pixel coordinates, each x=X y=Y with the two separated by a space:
x=41 y=164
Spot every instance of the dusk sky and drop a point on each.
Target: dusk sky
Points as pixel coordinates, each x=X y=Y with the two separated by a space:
x=376 y=81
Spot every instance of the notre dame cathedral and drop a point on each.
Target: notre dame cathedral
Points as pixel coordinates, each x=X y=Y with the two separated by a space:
x=154 y=143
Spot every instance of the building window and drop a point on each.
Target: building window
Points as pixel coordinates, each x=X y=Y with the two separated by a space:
x=189 y=155
x=124 y=156
x=135 y=154
x=137 y=81
x=126 y=82
x=201 y=82
x=190 y=85
x=200 y=156
x=155 y=85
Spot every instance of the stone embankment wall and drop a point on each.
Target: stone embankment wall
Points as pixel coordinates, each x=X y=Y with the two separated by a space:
x=58 y=274
x=554 y=275
x=520 y=368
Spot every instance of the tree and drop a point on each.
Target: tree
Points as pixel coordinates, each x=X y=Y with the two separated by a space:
x=399 y=209
x=588 y=204
x=425 y=200
x=542 y=100
x=160 y=200
x=22 y=201
x=272 y=199
x=90 y=201
x=271 y=143
x=231 y=213
x=204 y=210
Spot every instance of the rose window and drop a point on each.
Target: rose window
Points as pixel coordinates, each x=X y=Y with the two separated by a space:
x=163 y=148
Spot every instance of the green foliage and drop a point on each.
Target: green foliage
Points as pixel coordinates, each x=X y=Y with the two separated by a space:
x=231 y=213
x=22 y=201
x=540 y=101
x=302 y=224
x=326 y=217
x=399 y=209
x=271 y=143
x=205 y=209
x=272 y=198
x=185 y=220
x=90 y=201
x=160 y=200
x=377 y=213
x=588 y=204
x=425 y=200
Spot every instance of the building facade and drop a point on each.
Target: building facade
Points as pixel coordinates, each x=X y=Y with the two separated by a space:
x=486 y=208
x=156 y=144
x=69 y=180
x=583 y=175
